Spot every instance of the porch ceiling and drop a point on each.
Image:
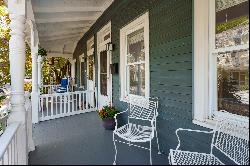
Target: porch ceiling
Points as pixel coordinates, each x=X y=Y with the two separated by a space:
x=61 y=23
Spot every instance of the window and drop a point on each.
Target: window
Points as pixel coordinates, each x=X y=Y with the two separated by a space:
x=231 y=49
x=134 y=58
x=221 y=59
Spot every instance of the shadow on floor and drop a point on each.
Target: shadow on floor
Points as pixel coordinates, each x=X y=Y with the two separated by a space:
x=81 y=140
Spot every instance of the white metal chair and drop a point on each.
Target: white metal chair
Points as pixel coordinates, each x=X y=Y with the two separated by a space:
x=140 y=110
x=230 y=137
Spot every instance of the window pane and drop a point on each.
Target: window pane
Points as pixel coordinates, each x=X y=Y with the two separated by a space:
x=103 y=61
x=137 y=79
x=232 y=23
x=233 y=82
x=103 y=74
x=104 y=86
x=91 y=67
x=136 y=46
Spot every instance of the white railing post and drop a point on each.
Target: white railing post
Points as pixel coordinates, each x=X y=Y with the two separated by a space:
x=17 y=11
x=31 y=146
x=34 y=53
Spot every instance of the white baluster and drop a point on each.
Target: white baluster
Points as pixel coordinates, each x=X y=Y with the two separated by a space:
x=52 y=105
x=47 y=106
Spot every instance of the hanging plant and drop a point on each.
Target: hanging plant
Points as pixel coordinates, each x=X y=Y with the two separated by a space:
x=42 y=52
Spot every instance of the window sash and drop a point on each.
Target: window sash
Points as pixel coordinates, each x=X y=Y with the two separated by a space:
x=127 y=79
x=213 y=52
x=127 y=91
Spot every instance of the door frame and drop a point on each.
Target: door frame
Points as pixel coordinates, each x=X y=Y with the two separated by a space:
x=101 y=46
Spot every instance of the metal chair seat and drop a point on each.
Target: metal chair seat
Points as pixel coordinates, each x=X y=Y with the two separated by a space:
x=134 y=133
x=178 y=157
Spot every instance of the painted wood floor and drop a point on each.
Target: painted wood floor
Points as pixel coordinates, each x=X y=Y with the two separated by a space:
x=81 y=140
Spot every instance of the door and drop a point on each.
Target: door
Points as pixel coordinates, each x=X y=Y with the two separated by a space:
x=104 y=61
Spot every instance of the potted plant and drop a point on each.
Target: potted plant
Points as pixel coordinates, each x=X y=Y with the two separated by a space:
x=107 y=114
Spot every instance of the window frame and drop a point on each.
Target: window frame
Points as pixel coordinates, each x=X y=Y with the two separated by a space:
x=137 y=24
x=205 y=64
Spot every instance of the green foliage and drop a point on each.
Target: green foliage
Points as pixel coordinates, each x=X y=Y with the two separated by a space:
x=42 y=52
x=54 y=69
x=244 y=20
x=2 y=98
x=4 y=48
x=107 y=112
x=226 y=88
x=4 y=44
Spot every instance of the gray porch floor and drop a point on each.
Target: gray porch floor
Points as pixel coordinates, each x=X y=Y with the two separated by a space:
x=81 y=139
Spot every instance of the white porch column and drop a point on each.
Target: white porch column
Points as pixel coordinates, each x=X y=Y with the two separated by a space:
x=73 y=66
x=17 y=71
x=39 y=66
x=35 y=89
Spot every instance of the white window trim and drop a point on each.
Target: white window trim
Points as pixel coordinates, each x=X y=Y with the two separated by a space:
x=141 y=22
x=205 y=73
x=81 y=59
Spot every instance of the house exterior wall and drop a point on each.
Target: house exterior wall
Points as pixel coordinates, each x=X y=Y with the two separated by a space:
x=171 y=40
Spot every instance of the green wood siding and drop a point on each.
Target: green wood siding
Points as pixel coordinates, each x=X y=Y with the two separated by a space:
x=170 y=61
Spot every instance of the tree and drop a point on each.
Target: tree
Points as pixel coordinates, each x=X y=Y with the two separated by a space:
x=4 y=48
x=55 y=69
x=4 y=45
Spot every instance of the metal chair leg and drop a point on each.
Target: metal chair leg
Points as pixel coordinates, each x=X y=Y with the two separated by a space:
x=114 y=163
x=159 y=152
x=150 y=154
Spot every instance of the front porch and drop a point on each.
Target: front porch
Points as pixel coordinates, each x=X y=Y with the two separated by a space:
x=81 y=139
x=157 y=49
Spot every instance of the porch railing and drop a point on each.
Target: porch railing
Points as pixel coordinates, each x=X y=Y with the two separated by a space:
x=49 y=89
x=8 y=145
x=12 y=137
x=57 y=105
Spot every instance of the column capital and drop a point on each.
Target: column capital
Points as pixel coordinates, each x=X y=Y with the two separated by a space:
x=34 y=54
x=72 y=60
x=17 y=7
x=39 y=59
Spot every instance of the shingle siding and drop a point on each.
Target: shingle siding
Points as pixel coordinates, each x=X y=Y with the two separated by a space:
x=170 y=60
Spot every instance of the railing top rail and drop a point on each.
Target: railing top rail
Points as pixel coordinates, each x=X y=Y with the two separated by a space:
x=7 y=136
x=66 y=93
x=49 y=85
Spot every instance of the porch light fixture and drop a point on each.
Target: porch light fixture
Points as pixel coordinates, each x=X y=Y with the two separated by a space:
x=109 y=47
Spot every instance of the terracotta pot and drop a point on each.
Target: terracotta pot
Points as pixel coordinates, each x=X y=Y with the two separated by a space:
x=109 y=124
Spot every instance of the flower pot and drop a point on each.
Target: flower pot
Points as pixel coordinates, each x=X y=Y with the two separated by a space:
x=109 y=124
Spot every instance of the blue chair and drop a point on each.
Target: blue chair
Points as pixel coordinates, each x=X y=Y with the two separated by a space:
x=64 y=86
